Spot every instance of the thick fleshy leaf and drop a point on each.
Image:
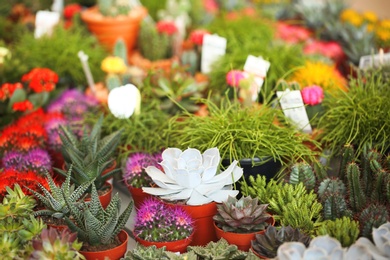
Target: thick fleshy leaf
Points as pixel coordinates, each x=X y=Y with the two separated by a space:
x=209 y=173
x=222 y=195
x=198 y=199
x=208 y=188
x=291 y=250
x=182 y=195
x=187 y=179
x=170 y=155
x=325 y=242
x=168 y=169
x=157 y=175
x=315 y=254
x=191 y=154
x=230 y=175
x=159 y=191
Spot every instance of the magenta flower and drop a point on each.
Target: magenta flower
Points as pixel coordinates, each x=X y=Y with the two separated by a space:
x=37 y=160
x=234 y=77
x=292 y=33
x=332 y=50
x=12 y=160
x=312 y=95
x=53 y=129
x=196 y=36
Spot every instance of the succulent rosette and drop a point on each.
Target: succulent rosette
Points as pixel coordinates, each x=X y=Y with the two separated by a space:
x=194 y=177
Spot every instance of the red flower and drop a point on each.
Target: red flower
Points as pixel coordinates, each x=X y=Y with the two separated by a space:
x=22 y=106
x=41 y=79
x=332 y=50
x=166 y=27
x=70 y=10
x=196 y=36
x=8 y=89
x=3 y=96
x=292 y=33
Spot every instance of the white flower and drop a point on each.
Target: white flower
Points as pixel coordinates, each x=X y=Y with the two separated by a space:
x=124 y=101
x=194 y=177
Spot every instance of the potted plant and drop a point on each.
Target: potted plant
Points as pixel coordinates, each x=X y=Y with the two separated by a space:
x=158 y=224
x=92 y=157
x=220 y=249
x=100 y=229
x=265 y=245
x=238 y=221
x=135 y=177
x=110 y=20
x=54 y=244
x=194 y=181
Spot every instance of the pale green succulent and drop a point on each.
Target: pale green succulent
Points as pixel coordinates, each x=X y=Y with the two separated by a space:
x=218 y=250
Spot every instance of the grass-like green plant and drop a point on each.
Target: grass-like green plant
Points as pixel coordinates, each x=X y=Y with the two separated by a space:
x=239 y=133
x=359 y=117
x=343 y=229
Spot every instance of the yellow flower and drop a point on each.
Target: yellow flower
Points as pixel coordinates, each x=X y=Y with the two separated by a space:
x=383 y=34
x=112 y=64
x=352 y=17
x=320 y=74
x=370 y=17
x=385 y=24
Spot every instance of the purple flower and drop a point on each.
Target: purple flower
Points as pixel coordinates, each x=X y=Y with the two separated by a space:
x=12 y=160
x=37 y=160
x=53 y=129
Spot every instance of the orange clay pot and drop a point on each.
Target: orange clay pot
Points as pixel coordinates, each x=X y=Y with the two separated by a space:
x=138 y=60
x=173 y=246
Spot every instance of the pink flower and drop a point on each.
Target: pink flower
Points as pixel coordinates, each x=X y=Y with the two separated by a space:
x=211 y=6
x=196 y=36
x=166 y=27
x=234 y=77
x=292 y=33
x=332 y=50
x=312 y=95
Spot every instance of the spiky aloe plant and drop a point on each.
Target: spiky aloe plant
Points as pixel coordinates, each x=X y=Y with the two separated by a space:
x=54 y=244
x=245 y=215
x=303 y=172
x=267 y=244
x=97 y=225
x=91 y=155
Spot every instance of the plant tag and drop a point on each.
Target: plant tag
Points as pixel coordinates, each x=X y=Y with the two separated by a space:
x=256 y=67
x=292 y=104
x=45 y=22
x=370 y=61
x=213 y=48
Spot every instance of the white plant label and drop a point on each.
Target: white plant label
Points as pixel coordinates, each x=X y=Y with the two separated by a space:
x=45 y=22
x=213 y=48
x=292 y=104
x=257 y=67
x=376 y=60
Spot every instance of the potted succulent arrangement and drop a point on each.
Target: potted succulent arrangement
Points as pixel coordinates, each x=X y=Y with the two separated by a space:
x=194 y=181
x=135 y=177
x=238 y=221
x=100 y=230
x=110 y=20
x=92 y=157
x=158 y=224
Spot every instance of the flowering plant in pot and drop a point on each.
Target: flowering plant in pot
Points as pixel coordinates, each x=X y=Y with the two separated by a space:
x=238 y=221
x=158 y=224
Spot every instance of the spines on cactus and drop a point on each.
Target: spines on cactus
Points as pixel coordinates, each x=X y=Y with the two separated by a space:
x=348 y=154
x=303 y=172
x=334 y=206
x=120 y=50
x=371 y=217
x=357 y=198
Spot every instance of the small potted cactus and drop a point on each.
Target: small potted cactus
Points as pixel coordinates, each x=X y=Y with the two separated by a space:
x=238 y=221
x=161 y=225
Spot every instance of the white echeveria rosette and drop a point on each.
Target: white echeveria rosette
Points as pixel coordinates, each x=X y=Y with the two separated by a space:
x=192 y=176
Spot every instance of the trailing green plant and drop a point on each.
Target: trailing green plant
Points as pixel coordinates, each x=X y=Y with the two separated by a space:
x=54 y=244
x=244 y=215
x=53 y=199
x=241 y=133
x=96 y=225
x=358 y=117
x=60 y=52
x=267 y=244
x=91 y=155
x=218 y=250
x=343 y=229
x=303 y=172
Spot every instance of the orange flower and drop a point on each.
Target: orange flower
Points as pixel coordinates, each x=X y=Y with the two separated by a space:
x=41 y=79
x=22 y=106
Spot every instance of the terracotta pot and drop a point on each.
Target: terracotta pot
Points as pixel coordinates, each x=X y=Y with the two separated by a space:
x=241 y=240
x=106 y=197
x=203 y=222
x=109 y=29
x=173 y=246
x=138 y=60
x=138 y=195
x=115 y=253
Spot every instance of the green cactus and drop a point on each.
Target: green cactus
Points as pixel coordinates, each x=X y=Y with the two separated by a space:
x=113 y=7
x=120 y=50
x=357 y=198
x=348 y=154
x=218 y=250
x=343 y=229
x=332 y=186
x=303 y=172
x=334 y=206
x=190 y=59
x=371 y=217
x=112 y=81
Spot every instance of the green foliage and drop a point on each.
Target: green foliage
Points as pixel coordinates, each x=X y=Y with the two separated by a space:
x=359 y=117
x=97 y=225
x=371 y=217
x=54 y=244
x=153 y=253
x=356 y=195
x=245 y=215
x=91 y=155
x=113 y=7
x=303 y=172
x=240 y=133
x=59 y=53
x=153 y=7
x=120 y=50
x=343 y=229
x=54 y=198
x=218 y=250
x=267 y=244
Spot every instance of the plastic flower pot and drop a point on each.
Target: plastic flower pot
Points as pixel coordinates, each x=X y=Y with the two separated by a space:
x=106 y=197
x=241 y=240
x=115 y=253
x=138 y=195
x=173 y=246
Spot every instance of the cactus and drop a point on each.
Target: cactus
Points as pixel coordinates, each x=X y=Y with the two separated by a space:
x=145 y=253
x=303 y=172
x=348 y=154
x=218 y=250
x=357 y=198
x=120 y=50
x=114 y=7
x=334 y=206
x=332 y=186
x=372 y=217
x=343 y=229
x=190 y=58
